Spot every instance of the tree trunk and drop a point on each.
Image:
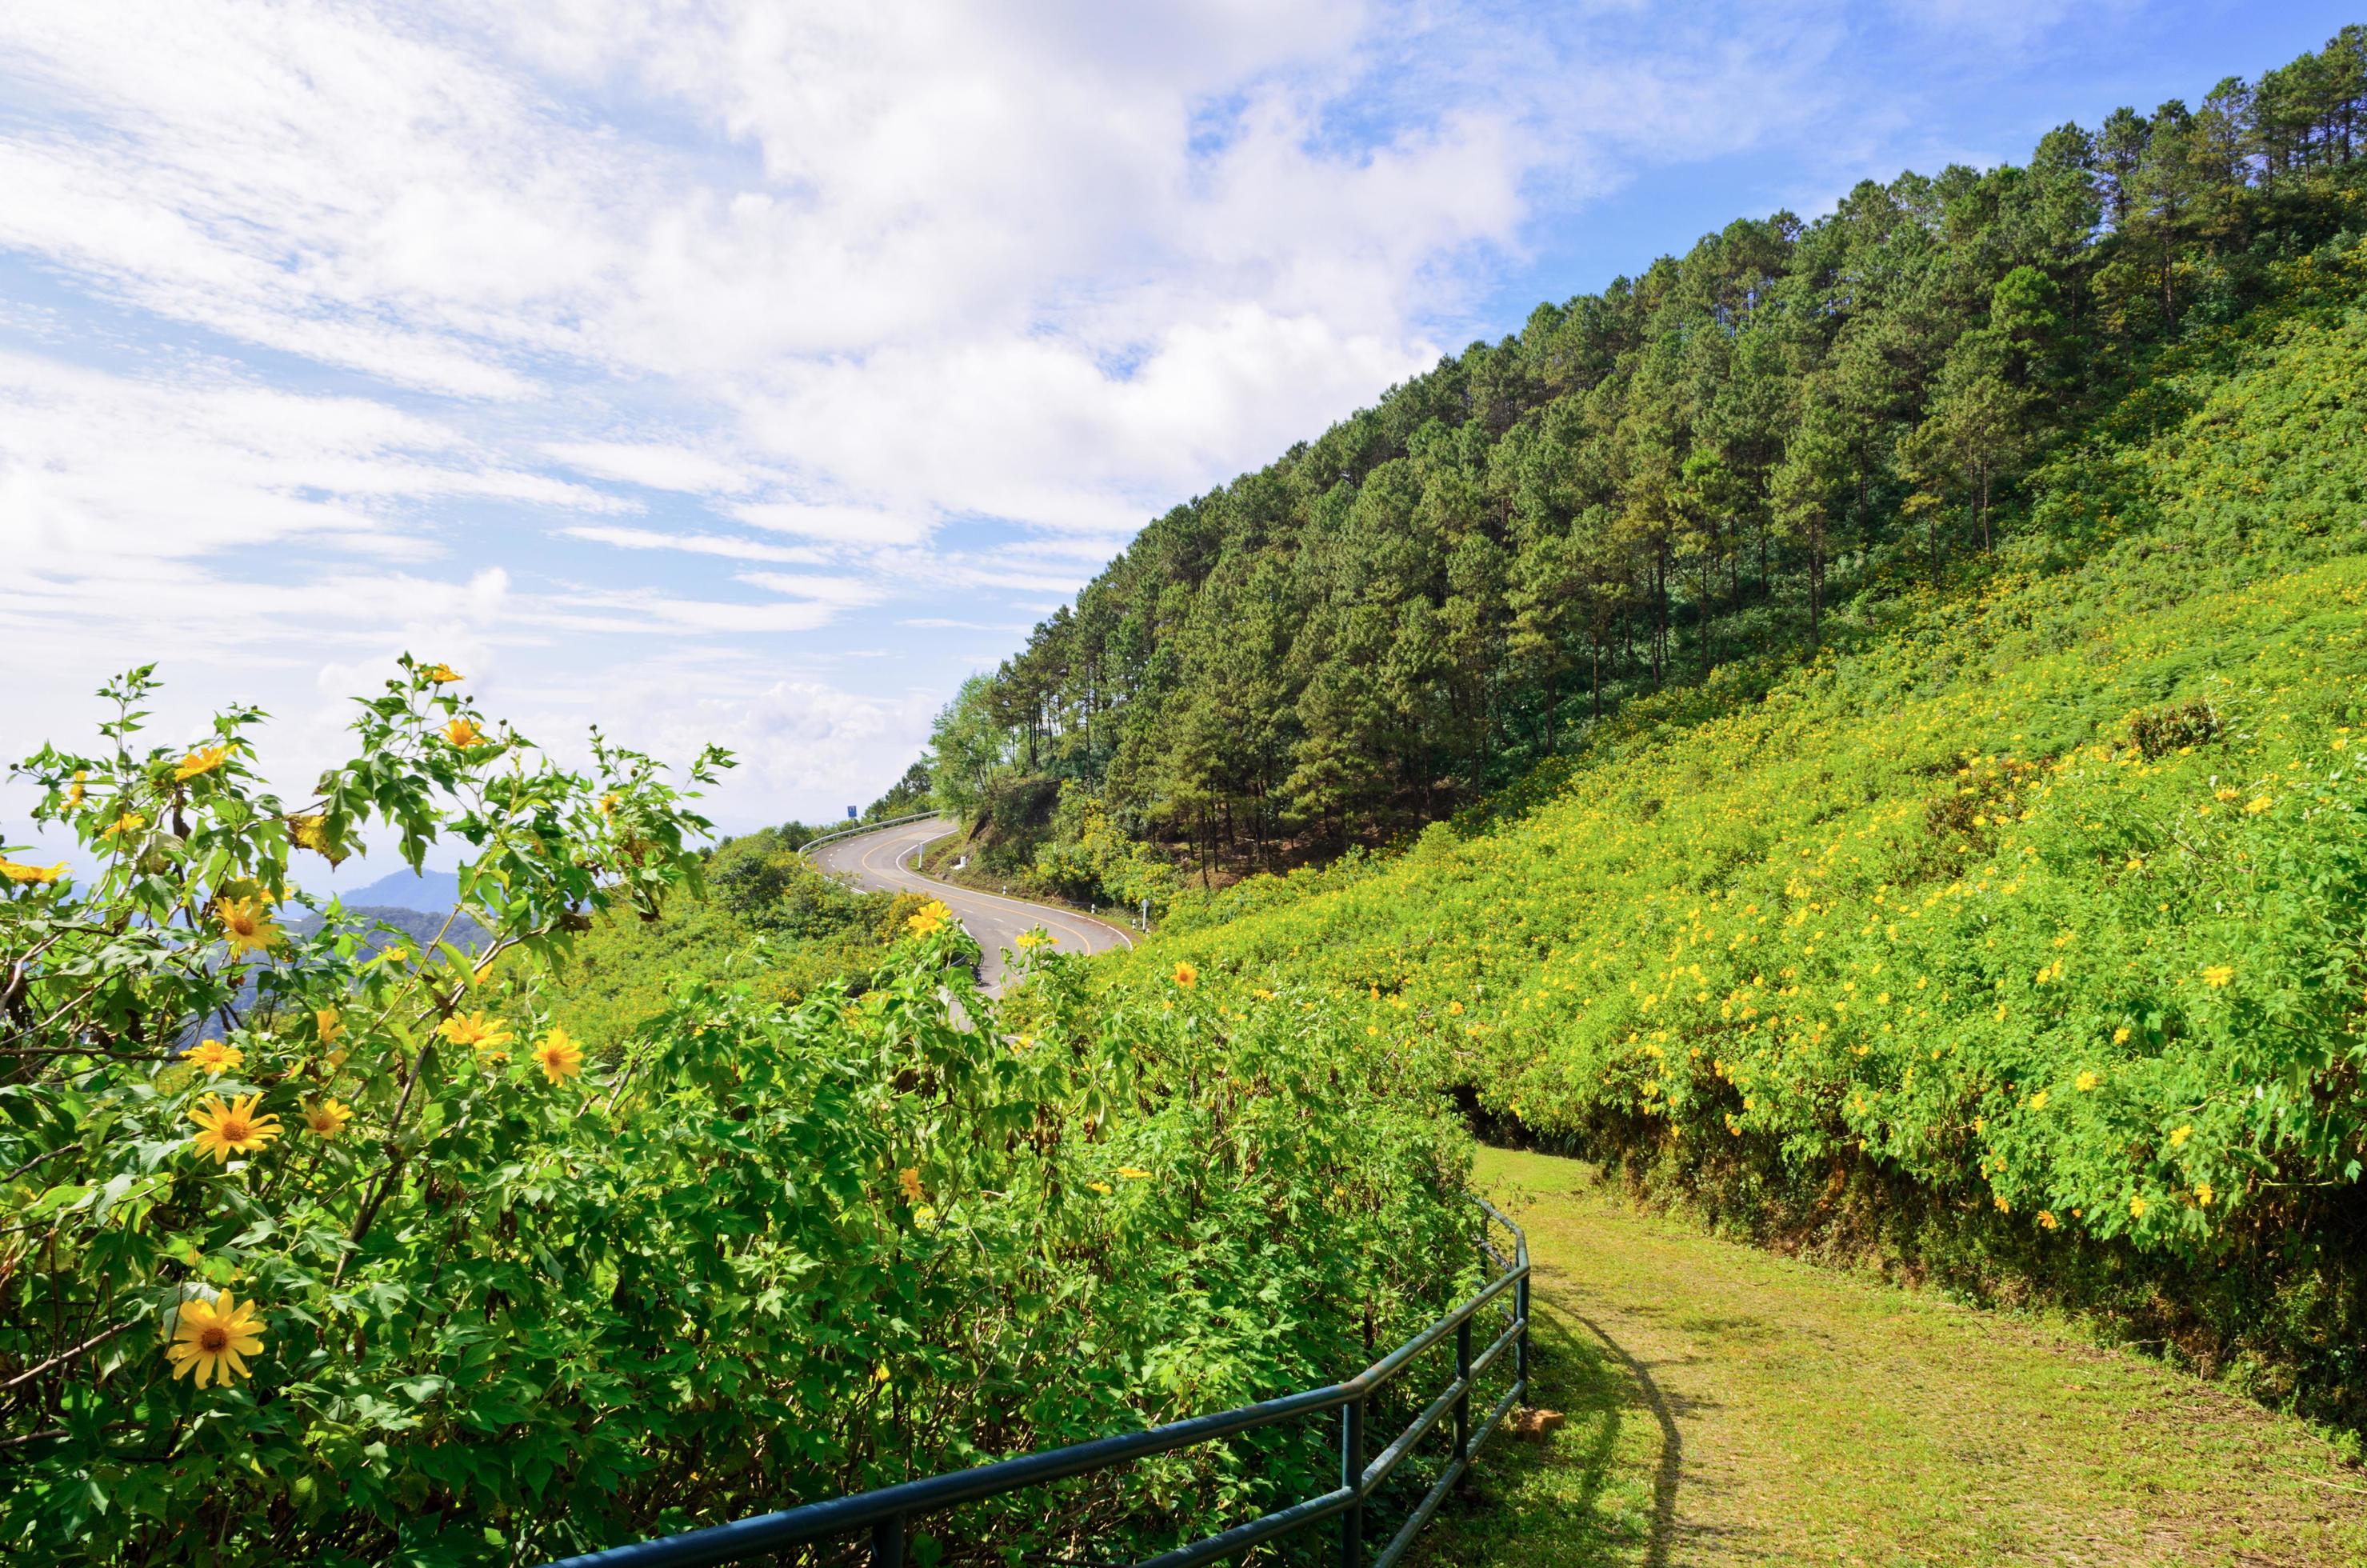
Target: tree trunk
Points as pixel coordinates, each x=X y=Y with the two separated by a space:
x=1659 y=612
x=1815 y=589
x=1981 y=505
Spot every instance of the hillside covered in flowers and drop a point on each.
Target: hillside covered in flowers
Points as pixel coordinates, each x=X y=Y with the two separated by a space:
x=2020 y=934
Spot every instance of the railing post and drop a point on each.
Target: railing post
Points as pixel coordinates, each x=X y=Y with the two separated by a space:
x=888 y=1543
x=1520 y=1346
x=1463 y=1401
x=1351 y=1475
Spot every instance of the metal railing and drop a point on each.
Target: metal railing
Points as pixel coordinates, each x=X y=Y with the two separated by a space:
x=864 y=827
x=887 y=1513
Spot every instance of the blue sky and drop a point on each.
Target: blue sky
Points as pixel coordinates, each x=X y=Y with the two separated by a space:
x=725 y=370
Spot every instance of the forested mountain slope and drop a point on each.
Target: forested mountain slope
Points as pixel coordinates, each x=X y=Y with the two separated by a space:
x=1790 y=436
x=2026 y=927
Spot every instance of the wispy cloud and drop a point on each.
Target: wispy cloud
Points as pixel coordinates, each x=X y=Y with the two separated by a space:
x=701 y=544
x=939 y=621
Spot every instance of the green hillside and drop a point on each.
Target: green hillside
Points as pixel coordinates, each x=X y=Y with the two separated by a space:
x=1791 y=436
x=768 y=922
x=2022 y=932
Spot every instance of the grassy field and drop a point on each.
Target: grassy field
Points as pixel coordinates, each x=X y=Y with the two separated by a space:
x=1726 y=1406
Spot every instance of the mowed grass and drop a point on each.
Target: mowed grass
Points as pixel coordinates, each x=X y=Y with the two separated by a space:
x=1729 y=1405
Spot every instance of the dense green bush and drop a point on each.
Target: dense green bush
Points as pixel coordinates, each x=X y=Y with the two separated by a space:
x=1086 y=856
x=444 y=1288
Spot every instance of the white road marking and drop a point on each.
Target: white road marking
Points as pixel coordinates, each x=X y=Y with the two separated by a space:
x=1074 y=932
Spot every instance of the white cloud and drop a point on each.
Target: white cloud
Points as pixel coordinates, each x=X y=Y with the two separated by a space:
x=804 y=747
x=631 y=611
x=701 y=544
x=324 y=182
x=844 y=592
x=102 y=468
x=940 y=622
x=841 y=525
x=942 y=300
x=657 y=467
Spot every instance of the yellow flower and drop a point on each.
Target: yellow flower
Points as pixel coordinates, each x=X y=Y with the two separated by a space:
x=2203 y=1193
x=246 y=925
x=215 y=1057
x=2046 y=1220
x=128 y=823
x=204 y=759
x=16 y=873
x=558 y=1057
x=231 y=1129
x=2088 y=1081
x=1100 y=1186
x=929 y=919
x=474 y=1030
x=80 y=780
x=2179 y=1135
x=2256 y=805
x=464 y=733
x=909 y=1181
x=439 y=674
x=329 y=1118
x=214 y=1338
x=1186 y=976
x=2121 y=1035
x=608 y=804
x=1134 y=1172
x=2137 y=1208
x=2038 y=1100
x=1034 y=940
x=2218 y=976
x=331 y=1023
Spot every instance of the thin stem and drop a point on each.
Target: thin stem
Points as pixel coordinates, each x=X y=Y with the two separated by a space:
x=93 y=1343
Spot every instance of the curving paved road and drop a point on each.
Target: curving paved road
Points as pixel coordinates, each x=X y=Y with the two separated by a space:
x=877 y=861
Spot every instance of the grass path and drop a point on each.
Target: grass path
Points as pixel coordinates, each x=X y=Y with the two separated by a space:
x=1726 y=1406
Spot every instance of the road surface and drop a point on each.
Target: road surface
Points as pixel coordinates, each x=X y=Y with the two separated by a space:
x=881 y=861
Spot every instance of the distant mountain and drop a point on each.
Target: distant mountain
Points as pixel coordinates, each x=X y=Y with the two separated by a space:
x=434 y=892
x=419 y=924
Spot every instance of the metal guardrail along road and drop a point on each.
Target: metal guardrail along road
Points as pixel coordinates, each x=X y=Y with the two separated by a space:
x=887 y=1513
x=860 y=828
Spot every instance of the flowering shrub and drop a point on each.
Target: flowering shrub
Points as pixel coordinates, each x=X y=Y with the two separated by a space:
x=312 y=1253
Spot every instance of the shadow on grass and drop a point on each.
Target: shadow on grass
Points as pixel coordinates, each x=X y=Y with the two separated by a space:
x=1670 y=1472
x=1592 y=1493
